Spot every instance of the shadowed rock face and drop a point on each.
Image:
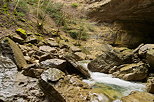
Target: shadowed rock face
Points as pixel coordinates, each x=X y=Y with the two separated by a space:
x=50 y=92
x=135 y=19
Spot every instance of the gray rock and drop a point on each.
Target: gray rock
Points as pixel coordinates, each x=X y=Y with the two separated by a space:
x=53 y=43
x=52 y=74
x=54 y=63
x=47 y=49
x=75 y=49
x=16 y=87
x=125 y=14
x=45 y=57
x=77 y=82
x=150 y=57
x=27 y=58
x=33 y=72
x=10 y=49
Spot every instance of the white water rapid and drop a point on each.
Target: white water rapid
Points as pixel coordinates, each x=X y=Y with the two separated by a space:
x=124 y=87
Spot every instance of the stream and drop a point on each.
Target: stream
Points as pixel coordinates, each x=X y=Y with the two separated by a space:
x=113 y=88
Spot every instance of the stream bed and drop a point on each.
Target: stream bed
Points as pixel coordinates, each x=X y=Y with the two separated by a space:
x=113 y=88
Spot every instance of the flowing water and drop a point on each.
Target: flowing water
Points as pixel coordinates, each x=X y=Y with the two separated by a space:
x=114 y=88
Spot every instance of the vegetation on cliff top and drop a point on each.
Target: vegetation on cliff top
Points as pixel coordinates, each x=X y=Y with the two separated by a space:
x=42 y=9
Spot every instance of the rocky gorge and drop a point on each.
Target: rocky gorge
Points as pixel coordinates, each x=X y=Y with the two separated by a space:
x=41 y=64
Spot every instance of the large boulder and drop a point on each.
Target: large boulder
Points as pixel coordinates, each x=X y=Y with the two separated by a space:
x=16 y=87
x=74 y=68
x=106 y=61
x=147 y=52
x=133 y=72
x=125 y=54
x=138 y=97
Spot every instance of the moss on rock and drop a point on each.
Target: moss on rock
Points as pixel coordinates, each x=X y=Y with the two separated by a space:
x=21 y=32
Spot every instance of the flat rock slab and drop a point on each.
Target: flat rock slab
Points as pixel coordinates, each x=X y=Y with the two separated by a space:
x=47 y=49
x=53 y=44
x=53 y=63
x=75 y=49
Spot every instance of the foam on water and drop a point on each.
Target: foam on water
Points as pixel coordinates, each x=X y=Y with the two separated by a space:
x=107 y=79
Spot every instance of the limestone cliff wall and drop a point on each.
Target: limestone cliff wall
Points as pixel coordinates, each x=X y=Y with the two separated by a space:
x=135 y=19
x=113 y=10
